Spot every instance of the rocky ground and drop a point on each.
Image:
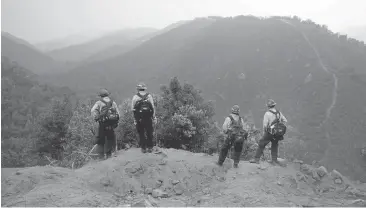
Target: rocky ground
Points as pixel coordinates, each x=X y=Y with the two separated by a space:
x=171 y=177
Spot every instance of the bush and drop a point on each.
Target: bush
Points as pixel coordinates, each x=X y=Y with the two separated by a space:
x=81 y=136
x=18 y=152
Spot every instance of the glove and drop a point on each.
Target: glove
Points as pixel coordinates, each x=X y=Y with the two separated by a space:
x=155 y=120
x=134 y=122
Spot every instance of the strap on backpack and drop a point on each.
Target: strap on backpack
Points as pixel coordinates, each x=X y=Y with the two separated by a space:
x=233 y=120
x=143 y=97
x=108 y=104
x=278 y=116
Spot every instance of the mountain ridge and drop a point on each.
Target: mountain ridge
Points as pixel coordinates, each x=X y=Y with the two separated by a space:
x=73 y=39
x=82 y=51
x=26 y=54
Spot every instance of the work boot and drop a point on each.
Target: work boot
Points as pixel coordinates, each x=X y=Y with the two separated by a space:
x=254 y=160
x=101 y=156
x=143 y=150
x=219 y=163
x=149 y=150
x=108 y=155
x=236 y=159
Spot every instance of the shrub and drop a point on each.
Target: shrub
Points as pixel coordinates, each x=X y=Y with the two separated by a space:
x=18 y=152
x=80 y=137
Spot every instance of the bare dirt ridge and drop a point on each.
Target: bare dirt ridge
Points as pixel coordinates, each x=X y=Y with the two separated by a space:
x=178 y=178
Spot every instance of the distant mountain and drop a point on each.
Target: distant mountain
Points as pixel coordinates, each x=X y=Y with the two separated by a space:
x=318 y=78
x=27 y=55
x=18 y=40
x=112 y=51
x=80 y=52
x=164 y=30
x=22 y=98
x=357 y=32
x=116 y=50
x=74 y=39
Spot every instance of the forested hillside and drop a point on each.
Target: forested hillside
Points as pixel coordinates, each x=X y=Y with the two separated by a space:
x=24 y=101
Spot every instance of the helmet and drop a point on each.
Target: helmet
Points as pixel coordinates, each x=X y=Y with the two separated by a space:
x=271 y=103
x=235 y=109
x=103 y=93
x=141 y=86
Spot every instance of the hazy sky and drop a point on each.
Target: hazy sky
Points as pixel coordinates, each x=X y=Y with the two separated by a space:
x=40 y=20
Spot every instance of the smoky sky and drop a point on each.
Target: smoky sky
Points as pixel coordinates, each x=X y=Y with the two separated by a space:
x=43 y=20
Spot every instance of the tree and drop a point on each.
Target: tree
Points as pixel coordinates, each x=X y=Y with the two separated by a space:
x=54 y=127
x=184 y=117
x=126 y=130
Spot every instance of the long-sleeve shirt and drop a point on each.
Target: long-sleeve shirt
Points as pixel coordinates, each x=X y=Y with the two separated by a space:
x=95 y=111
x=270 y=117
x=136 y=98
x=227 y=123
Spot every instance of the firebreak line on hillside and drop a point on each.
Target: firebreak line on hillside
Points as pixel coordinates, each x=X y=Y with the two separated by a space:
x=335 y=88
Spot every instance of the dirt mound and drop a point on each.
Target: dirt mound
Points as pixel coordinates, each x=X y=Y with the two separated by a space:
x=176 y=178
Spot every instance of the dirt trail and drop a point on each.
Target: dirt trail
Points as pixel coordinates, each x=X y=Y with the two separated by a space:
x=334 y=93
x=174 y=178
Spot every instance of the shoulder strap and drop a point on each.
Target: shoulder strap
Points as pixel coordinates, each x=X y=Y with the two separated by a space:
x=108 y=104
x=146 y=96
x=240 y=121
x=233 y=120
x=143 y=97
x=277 y=113
x=278 y=116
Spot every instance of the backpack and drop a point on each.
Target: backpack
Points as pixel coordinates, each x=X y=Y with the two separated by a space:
x=277 y=128
x=143 y=107
x=108 y=114
x=237 y=129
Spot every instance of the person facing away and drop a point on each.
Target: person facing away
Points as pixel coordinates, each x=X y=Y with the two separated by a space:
x=106 y=113
x=236 y=133
x=144 y=114
x=271 y=116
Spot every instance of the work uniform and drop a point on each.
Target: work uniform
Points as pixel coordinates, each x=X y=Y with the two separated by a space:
x=232 y=139
x=144 y=124
x=106 y=138
x=267 y=137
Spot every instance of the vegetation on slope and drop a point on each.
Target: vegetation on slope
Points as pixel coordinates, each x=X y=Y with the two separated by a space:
x=24 y=104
